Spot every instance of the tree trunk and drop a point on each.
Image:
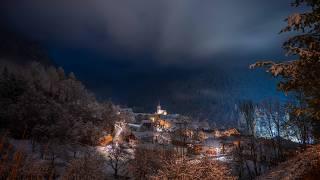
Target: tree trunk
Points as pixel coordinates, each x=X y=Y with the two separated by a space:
x=116 y=171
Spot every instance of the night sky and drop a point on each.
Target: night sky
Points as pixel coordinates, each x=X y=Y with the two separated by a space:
x=192 y=55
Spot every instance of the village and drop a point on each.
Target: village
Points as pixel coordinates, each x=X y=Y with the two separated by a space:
x=196 y=140
x=160 y=90
x=176 y=132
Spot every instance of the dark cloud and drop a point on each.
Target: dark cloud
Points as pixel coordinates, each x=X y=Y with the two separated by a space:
x=165 y=28
x=191 y=54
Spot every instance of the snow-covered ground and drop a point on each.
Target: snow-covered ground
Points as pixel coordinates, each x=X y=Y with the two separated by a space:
x=64 y=155
x=302 y=166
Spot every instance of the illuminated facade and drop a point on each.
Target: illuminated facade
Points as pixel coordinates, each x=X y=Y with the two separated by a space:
x=160 y=111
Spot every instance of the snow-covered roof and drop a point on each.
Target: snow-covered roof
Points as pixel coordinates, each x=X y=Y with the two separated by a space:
x=134 y=125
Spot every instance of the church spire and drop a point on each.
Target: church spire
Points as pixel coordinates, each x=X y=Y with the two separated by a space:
x=160 y=110
x=159 y=106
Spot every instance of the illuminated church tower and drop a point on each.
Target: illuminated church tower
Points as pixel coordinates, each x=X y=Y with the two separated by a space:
x=160 y=111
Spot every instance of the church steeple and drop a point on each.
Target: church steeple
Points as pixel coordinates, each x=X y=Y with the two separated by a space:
x=159 y=106
x=160 y=111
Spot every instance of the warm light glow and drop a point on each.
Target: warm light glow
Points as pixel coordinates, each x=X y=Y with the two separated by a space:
x=218 y=150
x=106 y=140
x=164 y=124
x=118 y=129
x=152 y=119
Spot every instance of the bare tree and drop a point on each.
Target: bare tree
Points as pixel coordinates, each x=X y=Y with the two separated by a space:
x=148 y=161
x=117 y=159
x=247 y=108
x=275 y=120
x=88 y=167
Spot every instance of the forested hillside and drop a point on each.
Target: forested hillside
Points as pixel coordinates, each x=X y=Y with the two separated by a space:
x=45 y=104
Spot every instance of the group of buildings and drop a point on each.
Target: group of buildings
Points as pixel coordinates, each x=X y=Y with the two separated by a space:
x=177 y=132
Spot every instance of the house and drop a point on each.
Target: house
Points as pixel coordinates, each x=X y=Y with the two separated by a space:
x=226 y=133
x=231 y=132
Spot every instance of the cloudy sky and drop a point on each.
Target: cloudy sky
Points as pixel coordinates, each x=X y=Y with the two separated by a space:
x=193 y=55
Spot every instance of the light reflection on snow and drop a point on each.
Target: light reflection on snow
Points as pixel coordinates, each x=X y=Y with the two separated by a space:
x=222 y=158
x=118 y=131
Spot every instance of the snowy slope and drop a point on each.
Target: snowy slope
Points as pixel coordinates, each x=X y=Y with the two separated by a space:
x=305 y=165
